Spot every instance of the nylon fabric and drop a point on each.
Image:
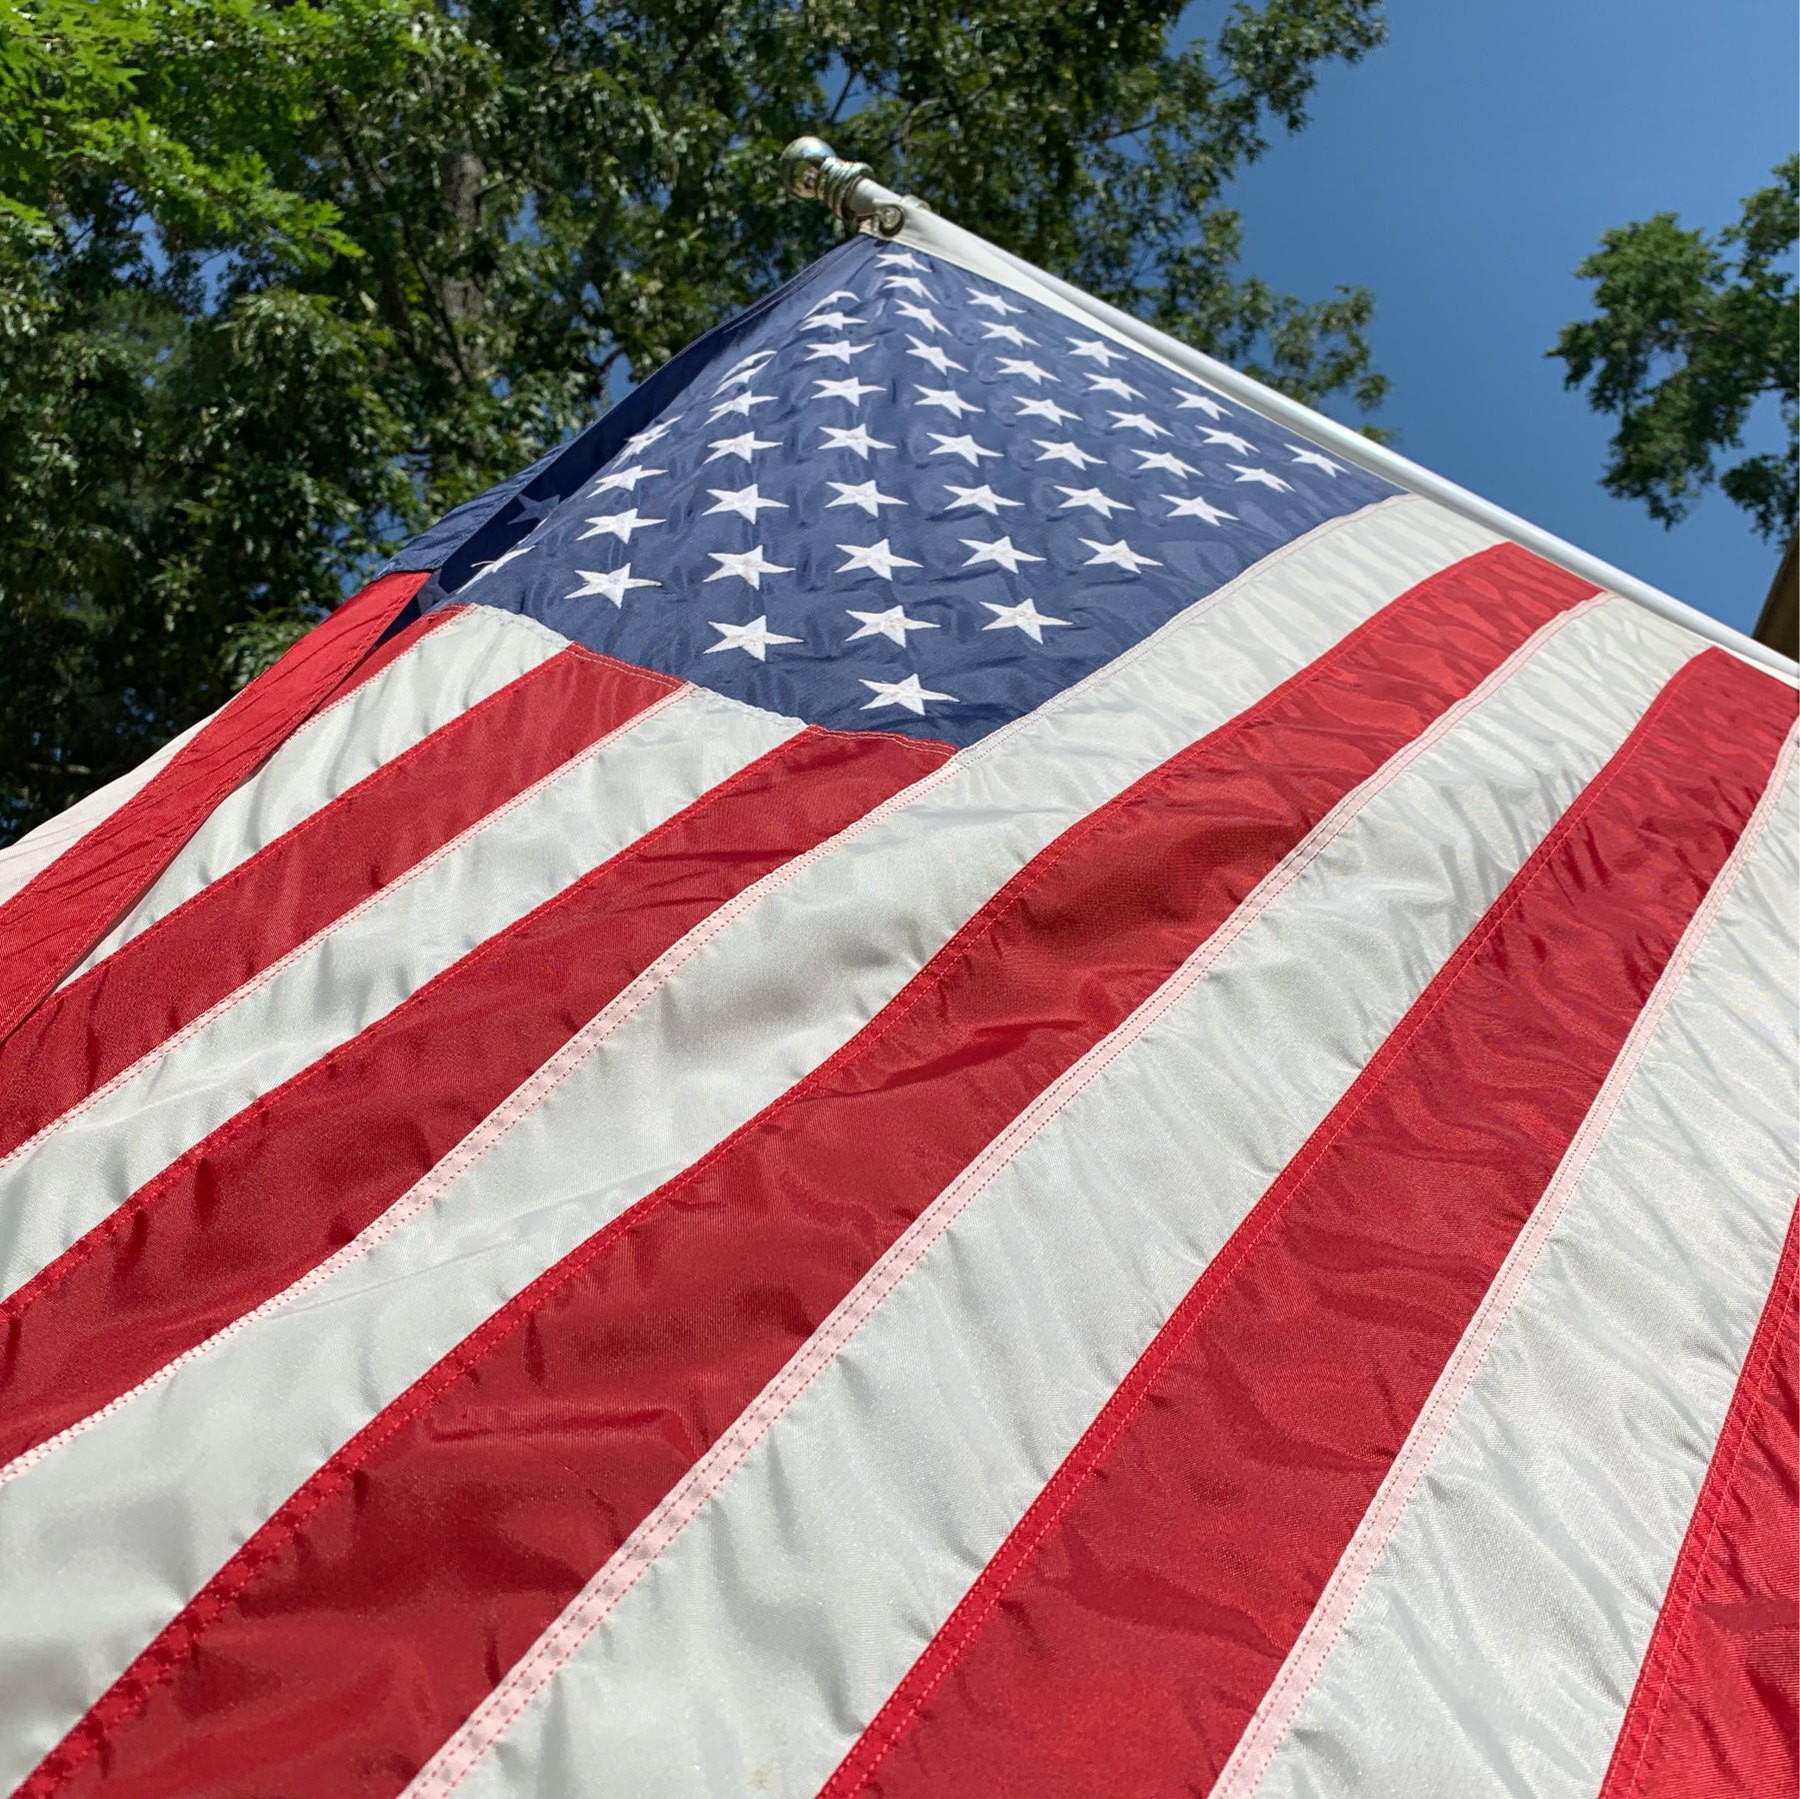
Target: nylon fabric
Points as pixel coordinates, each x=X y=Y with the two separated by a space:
x=275 y=1190
x=834 y=1171
x=1141 y=1612
x=436 y=676
x=28 y=856
x=1715 y=1713
x=187 y=962
x=1495 y=1645
x=735 y=1013
x=1275 y=1715
x=57 y=916
x=69 y=1178
x=829 y=1546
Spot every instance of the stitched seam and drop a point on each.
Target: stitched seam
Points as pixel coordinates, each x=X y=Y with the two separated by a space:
x=508 y=1701
x=290 y=841
x=123 y=1213
x=392 y=1218
x=1134 y=1391
x=1657 y=1674
x=27 y=896
x=288 y=1519
x=1250 y=1761
x=297 y=735
x=1108 y=672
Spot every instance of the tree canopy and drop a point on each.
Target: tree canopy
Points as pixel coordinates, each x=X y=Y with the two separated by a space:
x=280 y=280
x=1692 y=332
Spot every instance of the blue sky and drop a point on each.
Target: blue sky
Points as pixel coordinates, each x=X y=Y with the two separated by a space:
x=1465 y=168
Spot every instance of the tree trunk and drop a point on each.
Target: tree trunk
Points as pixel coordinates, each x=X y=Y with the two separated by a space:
x=1779 y=626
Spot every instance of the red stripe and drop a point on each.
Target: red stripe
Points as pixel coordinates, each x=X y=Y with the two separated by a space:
x=280 y=1186
x=1716 y=1711
x=334 y=859
x=65 y=909
x=390 y=649
x=612 y=1373
x=1135 y=1616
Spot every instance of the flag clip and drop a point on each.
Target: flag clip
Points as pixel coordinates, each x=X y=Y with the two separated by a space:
x=812 y=170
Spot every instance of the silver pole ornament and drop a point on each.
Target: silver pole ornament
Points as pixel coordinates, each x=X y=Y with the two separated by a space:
x=812 y=170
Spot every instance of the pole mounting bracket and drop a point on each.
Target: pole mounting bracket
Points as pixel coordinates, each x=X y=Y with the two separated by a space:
x=812 y=170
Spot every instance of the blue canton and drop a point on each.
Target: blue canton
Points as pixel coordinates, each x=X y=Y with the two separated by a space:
x=902 y=498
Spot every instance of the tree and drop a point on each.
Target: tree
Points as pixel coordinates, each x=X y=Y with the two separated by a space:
x=280 y=280
x=1692 y=333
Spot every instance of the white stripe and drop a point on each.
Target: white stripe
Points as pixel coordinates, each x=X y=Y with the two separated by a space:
x=771 y=1629
x=37 y=849
x=1548 y=1484
x=451 y=668
x=68 y=1178
x=104 y=1539
x=936 y=235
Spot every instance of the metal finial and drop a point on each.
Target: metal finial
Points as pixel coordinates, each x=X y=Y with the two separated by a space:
x=812 y=170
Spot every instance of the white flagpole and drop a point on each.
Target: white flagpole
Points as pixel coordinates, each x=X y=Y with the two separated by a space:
x=812 y=171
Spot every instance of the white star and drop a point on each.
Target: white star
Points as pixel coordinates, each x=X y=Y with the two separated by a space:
x=1022 y=617
x=840 y=349
x=1111 y=384
x=740 y=403
x=1063 y=452
x=851 y=437
x=926 y=317
x=484 y=569
x=613 y=585
x=992 y=301
x=830 y=321
x=1045 y=409
x=984 y=497
x=1318 y=459
x=892 y=624
x=907 y=693
x=1197 y=507
x=1230 y=439
x=1205 y=402
x=617 y=524
x=899 y=259
x=932 y=354
x=1165 y=460
x=878 y=558
x=1094 y=499
x=946 y=397
x=650 y=434
x=627 y=478
x=832 y=298
x=864 y=494
x=744 y=370
x=1097 y=349
x=746 y=565
x=1001 y=551
x=1008 y=334
x=964 y=446
x=745 y=446
x=1261 y=477
x=910 y=283
x=746 y=502
x=848 y=389
x=1118 y=555
x=753 y=638
x=1137 y=421
x=1028 y=371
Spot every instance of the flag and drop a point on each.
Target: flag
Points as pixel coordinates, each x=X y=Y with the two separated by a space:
x=948 y=1065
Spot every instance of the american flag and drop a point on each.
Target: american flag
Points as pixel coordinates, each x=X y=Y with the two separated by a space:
x=941 y=1067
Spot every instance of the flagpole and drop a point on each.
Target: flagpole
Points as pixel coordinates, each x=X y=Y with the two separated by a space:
x=812 y=170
